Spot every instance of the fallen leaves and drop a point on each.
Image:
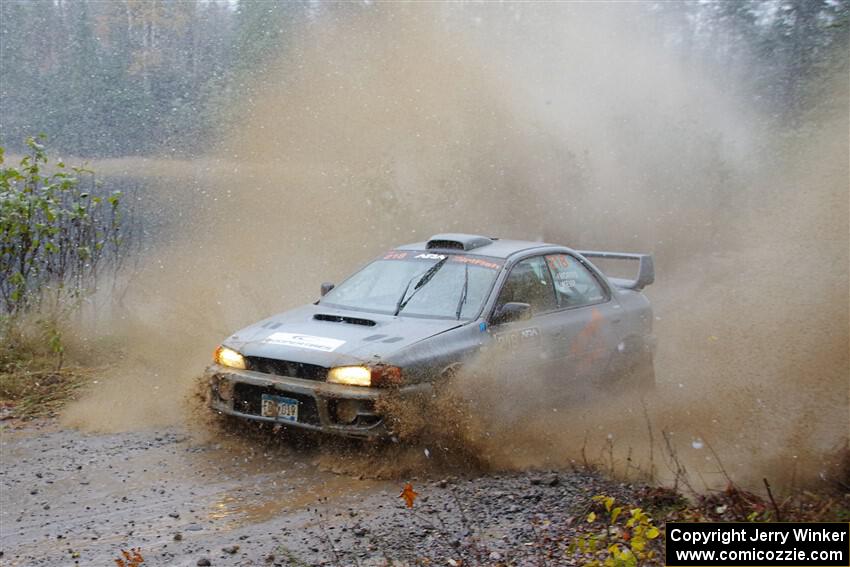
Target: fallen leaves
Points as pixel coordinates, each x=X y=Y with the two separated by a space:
x=408 y=494
x=131 y=558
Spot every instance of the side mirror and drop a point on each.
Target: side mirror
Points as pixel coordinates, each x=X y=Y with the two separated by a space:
x=326 y=287
x=512 y=311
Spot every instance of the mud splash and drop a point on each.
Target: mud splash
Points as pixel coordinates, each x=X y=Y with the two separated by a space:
x=388 y=124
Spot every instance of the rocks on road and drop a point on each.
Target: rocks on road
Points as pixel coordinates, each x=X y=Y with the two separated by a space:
x=72 y=498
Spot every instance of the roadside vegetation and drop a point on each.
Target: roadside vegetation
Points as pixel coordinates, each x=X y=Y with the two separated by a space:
x=60 y=235
x=34 y=379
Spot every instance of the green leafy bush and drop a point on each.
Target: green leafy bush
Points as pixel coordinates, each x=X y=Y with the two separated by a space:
x=58 y=231
x=616 y=537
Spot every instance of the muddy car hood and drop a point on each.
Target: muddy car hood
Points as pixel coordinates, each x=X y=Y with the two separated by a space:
x=314 y=334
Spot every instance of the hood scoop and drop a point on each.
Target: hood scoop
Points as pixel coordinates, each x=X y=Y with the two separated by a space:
x=344 y=319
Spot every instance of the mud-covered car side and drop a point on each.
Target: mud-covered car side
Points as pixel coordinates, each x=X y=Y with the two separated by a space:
x=418 y=313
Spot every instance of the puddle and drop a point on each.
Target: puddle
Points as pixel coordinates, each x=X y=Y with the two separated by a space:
x=270 y=496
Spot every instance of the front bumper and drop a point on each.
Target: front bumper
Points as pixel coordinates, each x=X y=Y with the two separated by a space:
x=317 y=400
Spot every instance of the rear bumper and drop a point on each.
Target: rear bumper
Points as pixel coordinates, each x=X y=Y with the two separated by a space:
x=238 y=393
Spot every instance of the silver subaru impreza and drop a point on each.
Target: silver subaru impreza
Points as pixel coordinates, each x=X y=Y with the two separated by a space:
x=416 y=314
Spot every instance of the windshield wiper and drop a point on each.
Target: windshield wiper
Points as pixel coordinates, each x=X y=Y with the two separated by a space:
x=463 y=292
x=401 y=303
x=426 y=277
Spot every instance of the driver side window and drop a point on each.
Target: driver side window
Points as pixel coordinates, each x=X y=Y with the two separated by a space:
x=529 y=282
x=574 y=285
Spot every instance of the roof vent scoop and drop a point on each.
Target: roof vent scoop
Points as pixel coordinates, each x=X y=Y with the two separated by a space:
x=457 y=242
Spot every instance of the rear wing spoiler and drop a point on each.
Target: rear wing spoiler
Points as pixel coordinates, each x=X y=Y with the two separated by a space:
x=646 y=268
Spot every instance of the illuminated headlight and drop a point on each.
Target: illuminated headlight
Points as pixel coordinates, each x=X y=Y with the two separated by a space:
x=377 y=376
x=229 y=357
x=351 y=375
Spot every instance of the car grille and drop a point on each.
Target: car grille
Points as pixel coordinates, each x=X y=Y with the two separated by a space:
x=247 y=399
x=286 y=368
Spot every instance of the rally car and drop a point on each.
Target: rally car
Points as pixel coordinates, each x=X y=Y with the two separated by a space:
x=420 y=311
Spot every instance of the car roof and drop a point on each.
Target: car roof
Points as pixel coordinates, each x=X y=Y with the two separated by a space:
x=476 y=245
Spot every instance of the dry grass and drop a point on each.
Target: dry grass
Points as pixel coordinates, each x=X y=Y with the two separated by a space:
x=35 y=380
x=40 y=393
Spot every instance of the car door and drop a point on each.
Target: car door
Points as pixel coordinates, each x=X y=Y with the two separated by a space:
x=527 y=345
x=589 y=320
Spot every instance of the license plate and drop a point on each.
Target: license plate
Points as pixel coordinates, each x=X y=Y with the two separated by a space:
x=279 y=407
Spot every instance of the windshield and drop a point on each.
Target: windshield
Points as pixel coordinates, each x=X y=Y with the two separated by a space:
x=412 y=283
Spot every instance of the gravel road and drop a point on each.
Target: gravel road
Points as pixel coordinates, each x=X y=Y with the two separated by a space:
x=71 y=498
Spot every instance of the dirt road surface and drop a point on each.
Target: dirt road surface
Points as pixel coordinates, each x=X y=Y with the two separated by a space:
x=70 y=498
